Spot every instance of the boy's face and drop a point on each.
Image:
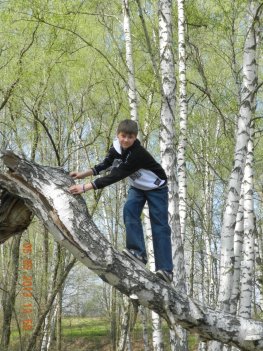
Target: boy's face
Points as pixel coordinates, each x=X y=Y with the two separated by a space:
x=126 y=140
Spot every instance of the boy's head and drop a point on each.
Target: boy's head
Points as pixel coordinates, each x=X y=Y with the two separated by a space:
x=128 y=126
x=127 y=132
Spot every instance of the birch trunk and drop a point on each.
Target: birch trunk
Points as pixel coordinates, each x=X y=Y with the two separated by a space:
x=210 y=288
x=45 y=191
x=183 y=117
x=51 y=314
x=125 y=323
x=157 y=335
x=247 y=264
x=167 y=147
x=248 y=92
x=145 y=334
x=238 y=245
x=167 y=135
x=132 y=93
x=247 y=103
x=52 y=327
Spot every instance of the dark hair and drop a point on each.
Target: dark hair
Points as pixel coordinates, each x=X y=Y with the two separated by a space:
x=127 y=126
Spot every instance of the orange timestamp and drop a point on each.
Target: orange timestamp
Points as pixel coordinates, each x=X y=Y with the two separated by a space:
x=27 y=287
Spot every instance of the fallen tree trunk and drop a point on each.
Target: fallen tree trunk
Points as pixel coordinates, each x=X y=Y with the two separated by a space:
x=44 y=191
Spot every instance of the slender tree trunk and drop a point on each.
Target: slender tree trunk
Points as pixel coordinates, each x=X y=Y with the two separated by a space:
x=167 y=147
x=157 y=335
x=183 y=117
x=143 y=312
x=209 y=291
x=248 y=92
x=247 y=264
x=33 y=339
x=58 y=321
x=125 y=324
x=246 y=110
x=113 y=314
x=238 y=245
x=51 y=282
x=132 y=94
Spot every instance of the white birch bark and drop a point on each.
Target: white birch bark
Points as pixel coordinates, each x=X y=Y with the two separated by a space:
x=247 y=264
x=45 y=192
x=208 y=261
x=209 y=288
x=133 y=103
x=249 y=85
x=238 y=245
x=51 y=315
x=157 y=335
x=183 y=117
x=132 y=93
x=260 y=260
x=167 y=134
x=52 y=327
x=145 y=334
x=247 y=102
x=167 y=147
x=125 y=323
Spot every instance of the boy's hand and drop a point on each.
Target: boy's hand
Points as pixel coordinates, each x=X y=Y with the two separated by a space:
x=76 y=189
x=76 y=175
x=80 y=188
x=81 y=175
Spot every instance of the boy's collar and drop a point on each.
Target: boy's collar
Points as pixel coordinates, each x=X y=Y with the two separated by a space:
x=118 y=148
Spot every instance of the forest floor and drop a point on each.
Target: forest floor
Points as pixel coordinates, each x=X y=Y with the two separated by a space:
x=93 y=334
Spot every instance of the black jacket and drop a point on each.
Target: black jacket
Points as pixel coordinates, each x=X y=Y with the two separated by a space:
x=135 y=162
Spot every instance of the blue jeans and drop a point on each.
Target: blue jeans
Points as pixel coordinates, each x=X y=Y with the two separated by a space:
x=157 y=200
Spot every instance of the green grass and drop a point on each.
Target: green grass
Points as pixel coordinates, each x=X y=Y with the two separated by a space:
x=85 y=327
x=93 y=334
x=96 y=330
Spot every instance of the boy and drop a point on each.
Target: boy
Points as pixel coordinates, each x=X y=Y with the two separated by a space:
x=127 y=158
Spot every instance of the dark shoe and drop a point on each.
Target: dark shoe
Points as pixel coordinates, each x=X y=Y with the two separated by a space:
x=164 y=275
x=135 y=257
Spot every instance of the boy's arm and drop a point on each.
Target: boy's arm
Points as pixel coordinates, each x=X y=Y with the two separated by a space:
x=118 y=173
x=82 y=188
x=106 y=163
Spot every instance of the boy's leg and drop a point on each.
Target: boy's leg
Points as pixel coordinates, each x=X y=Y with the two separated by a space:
x=132 y=219
x=161 y=231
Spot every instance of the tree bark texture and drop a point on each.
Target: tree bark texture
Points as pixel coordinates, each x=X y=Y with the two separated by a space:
x=45 y=192
x=248 y=92
x=132 y=92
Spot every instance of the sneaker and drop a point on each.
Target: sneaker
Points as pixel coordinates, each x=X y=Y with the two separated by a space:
x=164 y=275
x=135 y=257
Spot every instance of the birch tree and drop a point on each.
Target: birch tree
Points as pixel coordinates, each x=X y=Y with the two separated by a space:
x=157 y=335
x=248 y=92
x=167 y=147
x=182 y=102
x=238 y=245
x=132 y=93
x=133 y=103
x=248 y=262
